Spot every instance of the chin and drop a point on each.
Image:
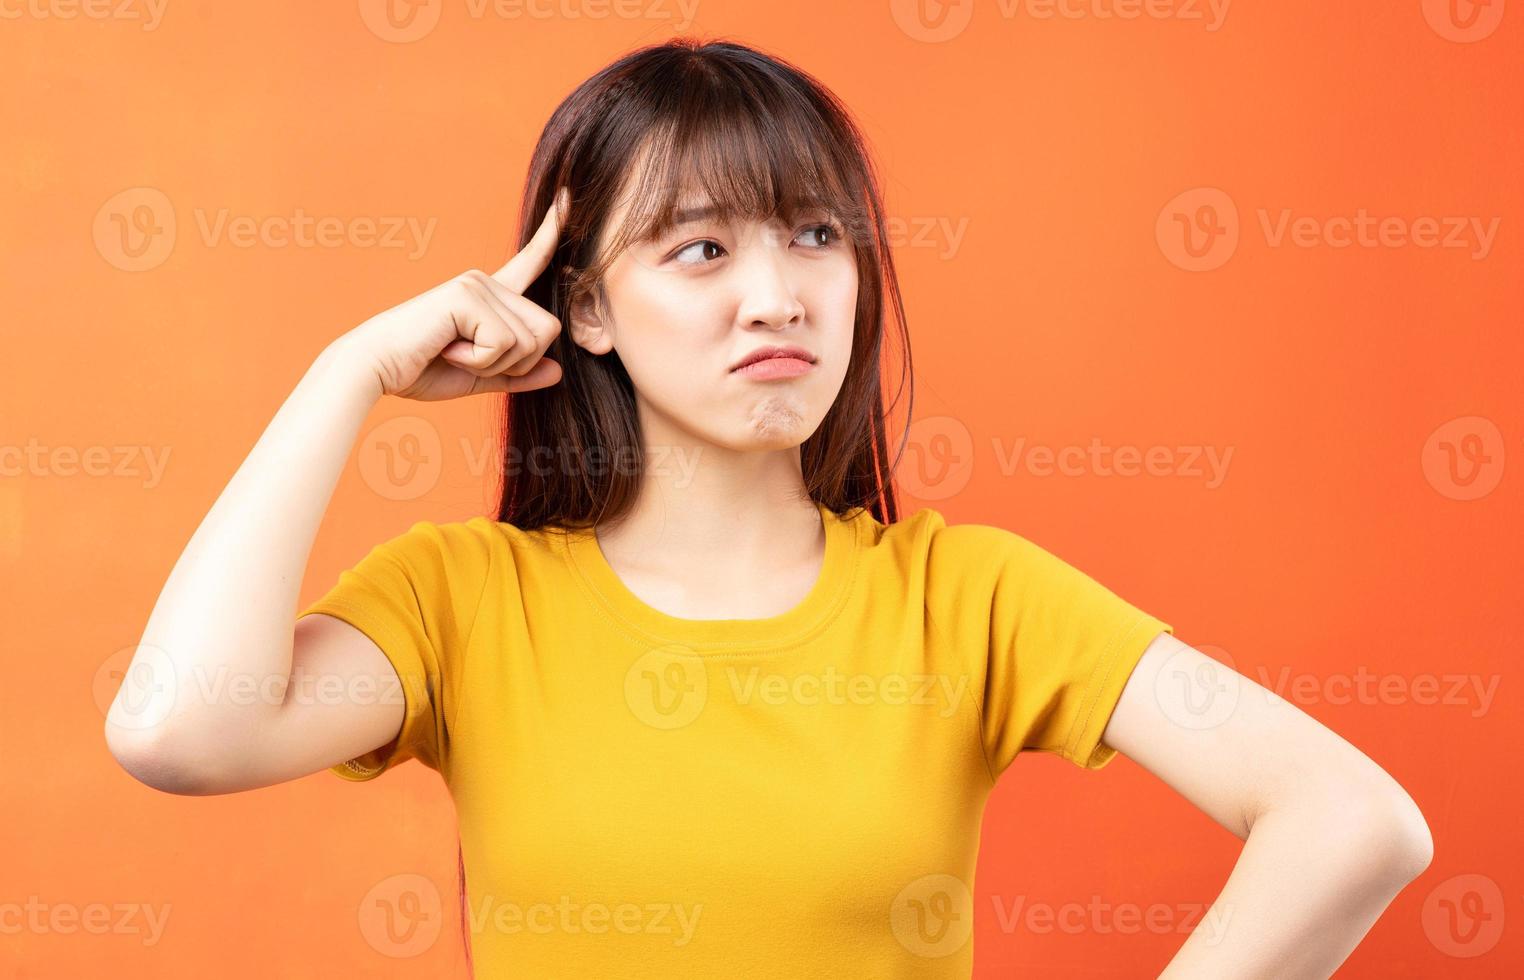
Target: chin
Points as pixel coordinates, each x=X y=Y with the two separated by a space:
x=777 y=423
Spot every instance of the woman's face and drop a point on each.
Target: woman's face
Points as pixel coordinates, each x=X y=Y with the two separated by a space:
x=684 y=308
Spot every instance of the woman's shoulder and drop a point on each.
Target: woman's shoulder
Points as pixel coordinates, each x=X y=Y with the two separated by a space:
x=478 y=539
x=928 y=530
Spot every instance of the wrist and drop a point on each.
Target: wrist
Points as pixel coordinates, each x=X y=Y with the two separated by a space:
x=342 y=362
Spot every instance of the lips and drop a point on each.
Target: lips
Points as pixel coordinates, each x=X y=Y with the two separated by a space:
x=767 y=353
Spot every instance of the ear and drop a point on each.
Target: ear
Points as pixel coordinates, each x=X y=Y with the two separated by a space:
x=588 y=325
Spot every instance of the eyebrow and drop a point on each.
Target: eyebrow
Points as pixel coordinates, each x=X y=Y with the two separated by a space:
x=700 y=213
x=694 y=214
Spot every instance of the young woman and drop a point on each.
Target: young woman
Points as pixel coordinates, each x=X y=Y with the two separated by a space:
x=705 y=704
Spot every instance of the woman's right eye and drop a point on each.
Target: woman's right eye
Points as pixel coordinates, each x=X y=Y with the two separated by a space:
x=690 y=247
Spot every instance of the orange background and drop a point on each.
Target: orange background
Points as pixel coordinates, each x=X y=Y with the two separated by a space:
x=1358 y=528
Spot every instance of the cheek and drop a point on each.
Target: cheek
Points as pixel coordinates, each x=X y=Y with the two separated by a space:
x=642 y=311
x=839 y=306
x=837 y=278
x=655 y=331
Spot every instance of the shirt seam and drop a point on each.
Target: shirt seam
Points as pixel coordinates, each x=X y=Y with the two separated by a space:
x=362 y=612
x=1097 y=683
x=476 y=615
x=977 y=702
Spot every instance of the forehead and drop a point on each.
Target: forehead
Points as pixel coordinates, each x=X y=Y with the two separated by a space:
x=662 y=208
x=665 y=185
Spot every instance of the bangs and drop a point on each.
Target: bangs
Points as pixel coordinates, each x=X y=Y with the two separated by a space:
x=724 y=149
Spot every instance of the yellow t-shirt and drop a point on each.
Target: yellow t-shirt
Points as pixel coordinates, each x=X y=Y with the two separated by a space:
x=641 y=795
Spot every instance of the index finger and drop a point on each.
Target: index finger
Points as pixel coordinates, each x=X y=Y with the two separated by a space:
x=521 y=270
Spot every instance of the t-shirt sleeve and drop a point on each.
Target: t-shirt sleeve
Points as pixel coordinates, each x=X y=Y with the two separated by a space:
x=1061 y=649
x=414 y=596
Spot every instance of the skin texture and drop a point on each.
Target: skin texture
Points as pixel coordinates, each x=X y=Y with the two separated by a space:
x=1330 y=837
x=722 y=527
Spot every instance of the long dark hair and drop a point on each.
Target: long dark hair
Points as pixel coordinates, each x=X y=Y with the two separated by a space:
x=761 y=137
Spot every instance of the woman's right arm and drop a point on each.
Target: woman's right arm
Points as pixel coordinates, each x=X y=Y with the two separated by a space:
x=202 y=707
x=225 y=691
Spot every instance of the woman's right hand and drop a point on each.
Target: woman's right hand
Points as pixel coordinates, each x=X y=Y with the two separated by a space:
x=472 y=334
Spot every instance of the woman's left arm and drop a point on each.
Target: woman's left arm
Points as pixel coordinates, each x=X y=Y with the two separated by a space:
x=1330 y=838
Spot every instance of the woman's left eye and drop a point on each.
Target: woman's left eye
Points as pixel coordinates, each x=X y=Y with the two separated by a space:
x=831 y=232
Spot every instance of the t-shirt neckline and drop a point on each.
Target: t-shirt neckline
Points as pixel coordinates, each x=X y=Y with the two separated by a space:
x=811 y=613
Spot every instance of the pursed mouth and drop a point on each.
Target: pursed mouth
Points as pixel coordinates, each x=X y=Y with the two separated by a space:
x=775 y=353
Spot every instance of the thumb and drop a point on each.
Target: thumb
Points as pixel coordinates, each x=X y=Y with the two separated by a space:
x=544 y=374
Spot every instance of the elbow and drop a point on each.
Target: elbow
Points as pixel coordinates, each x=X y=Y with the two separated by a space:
x=1417 y=845
x=156 y=765
x=1396 y=836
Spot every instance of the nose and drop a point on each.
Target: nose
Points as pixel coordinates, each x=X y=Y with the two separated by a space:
x=769 y=297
